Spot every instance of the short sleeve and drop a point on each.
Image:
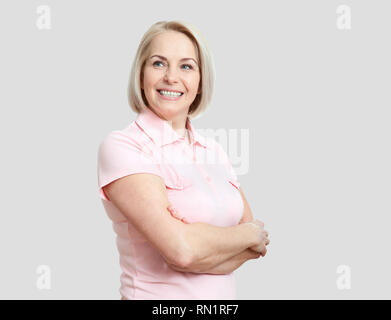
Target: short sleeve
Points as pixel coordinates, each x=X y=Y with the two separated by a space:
x=232 y=176
x=120 y=156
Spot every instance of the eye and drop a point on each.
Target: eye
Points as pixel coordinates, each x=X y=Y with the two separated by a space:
x=190 y=66
x=154 y=64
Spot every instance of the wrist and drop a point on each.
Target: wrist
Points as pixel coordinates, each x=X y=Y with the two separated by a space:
x=251 y=232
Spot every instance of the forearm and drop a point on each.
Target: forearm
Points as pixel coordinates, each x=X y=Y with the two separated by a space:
x=234 y=262
x=227 y=266
x=210 y=246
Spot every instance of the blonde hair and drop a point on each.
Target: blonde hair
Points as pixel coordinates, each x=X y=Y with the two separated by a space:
x=136 y=97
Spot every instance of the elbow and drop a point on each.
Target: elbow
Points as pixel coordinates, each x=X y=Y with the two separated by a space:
x=182 y=254
x=180 y=263
x=181 y=258
x=183 y=263
x=184 y=259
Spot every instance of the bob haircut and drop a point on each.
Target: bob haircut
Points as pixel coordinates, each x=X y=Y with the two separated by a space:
x=136 y=96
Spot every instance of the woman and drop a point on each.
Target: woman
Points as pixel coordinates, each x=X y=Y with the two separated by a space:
x=156 y=166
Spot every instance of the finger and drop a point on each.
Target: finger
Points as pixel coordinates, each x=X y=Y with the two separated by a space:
x=175 y=213
x=184 y=220
x=176 y=216
x=173 y=210
x=259 y=222
x=255 y=254
x=170 y=208
x=261 y=248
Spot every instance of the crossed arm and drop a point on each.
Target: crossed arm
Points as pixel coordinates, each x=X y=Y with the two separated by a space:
x=235 y=261
x=143 y=200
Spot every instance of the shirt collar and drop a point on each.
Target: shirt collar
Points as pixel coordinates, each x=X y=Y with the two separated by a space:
x=161 y=132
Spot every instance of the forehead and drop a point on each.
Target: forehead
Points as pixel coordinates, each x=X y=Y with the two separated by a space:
x=173 y=44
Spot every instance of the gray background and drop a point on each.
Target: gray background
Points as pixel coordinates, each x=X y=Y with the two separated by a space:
x=316 y=100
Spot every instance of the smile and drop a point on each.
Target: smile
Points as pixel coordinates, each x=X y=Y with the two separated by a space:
x=169 y=95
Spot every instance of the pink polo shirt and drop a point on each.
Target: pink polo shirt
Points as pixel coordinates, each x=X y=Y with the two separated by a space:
x=200 y=183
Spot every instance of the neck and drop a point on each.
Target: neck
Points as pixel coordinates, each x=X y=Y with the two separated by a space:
x=182 y=130
x=179 y=125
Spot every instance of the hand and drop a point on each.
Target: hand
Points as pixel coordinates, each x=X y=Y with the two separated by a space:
x=176 y=214
x=262 y=237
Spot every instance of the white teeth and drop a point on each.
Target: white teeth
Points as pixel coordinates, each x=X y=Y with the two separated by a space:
x=170 y=93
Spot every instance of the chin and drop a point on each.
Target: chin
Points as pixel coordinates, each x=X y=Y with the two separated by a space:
x=169 y=112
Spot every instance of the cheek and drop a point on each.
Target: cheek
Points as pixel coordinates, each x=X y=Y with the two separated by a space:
x=193 y=83
x=150 y=78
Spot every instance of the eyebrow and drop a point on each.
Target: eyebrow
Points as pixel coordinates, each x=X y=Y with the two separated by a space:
x=165 y=59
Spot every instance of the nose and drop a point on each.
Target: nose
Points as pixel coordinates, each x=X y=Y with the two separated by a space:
x=171 y=75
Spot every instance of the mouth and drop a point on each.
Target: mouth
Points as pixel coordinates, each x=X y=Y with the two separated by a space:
x=169 y=94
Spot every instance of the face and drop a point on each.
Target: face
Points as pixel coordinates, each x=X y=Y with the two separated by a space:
x=173 y=65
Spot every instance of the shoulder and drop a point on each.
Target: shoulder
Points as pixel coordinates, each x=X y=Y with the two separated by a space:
x=126 y=148
x=122 y=153
x=128 y=138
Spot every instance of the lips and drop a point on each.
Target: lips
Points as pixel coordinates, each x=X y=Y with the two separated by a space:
x=164 y=89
